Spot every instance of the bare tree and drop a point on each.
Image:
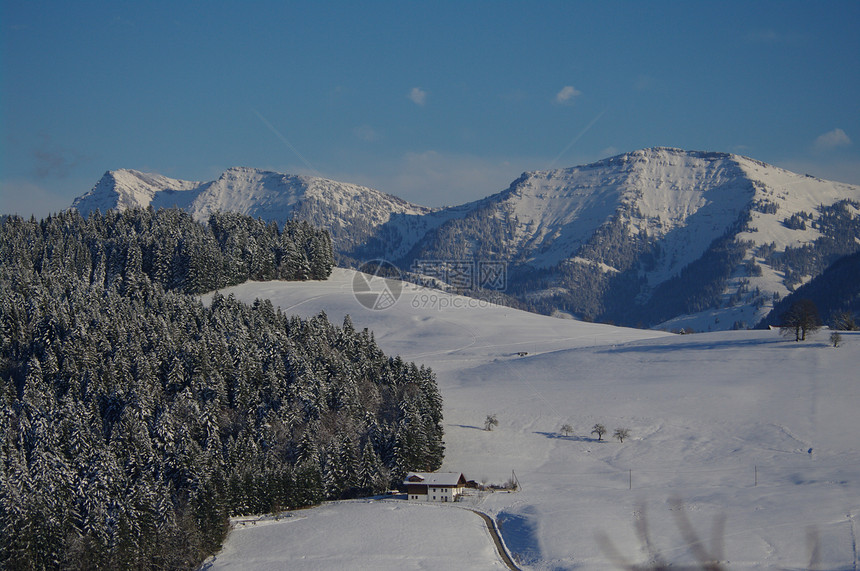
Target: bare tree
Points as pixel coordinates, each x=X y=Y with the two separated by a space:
x=843 y=321
x=621 y=434
x=490 y=422
x=800 y=319
x=599 y=430
x=566 y=430
x=835 y=338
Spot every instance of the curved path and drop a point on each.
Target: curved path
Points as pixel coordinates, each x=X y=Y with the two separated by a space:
x=494 y=533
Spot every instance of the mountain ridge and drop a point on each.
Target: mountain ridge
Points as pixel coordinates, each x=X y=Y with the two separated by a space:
x=660 y=237
x=347 y=210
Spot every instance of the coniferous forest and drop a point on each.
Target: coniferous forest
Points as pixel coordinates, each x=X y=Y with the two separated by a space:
x=135 y=420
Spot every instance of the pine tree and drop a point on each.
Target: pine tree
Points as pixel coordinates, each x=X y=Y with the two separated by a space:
x=370 y=478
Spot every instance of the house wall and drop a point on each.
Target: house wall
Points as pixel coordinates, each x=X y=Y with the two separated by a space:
x=441 y=494
x=432 y=493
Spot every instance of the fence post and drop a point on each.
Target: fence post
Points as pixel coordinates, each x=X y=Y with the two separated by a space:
x=756 y=476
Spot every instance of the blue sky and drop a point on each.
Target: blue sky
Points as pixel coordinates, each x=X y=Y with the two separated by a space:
x=438 y=103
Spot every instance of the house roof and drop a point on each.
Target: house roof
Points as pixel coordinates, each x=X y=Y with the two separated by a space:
x=435 y=478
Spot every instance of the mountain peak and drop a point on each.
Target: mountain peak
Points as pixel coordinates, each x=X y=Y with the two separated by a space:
x=127 y=188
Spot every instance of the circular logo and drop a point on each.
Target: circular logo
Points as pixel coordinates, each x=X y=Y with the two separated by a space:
x=377 y=284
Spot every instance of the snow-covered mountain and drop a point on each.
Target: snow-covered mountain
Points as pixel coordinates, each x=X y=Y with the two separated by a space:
x=348 y=211
x=706 y=240
x=656 y=237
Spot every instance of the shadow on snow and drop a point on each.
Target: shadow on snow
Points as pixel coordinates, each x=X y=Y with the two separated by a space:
x=571 y=438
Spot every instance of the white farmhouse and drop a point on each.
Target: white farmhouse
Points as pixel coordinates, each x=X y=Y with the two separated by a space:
x=434 y=486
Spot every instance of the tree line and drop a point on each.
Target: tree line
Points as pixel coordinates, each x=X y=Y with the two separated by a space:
x=134 y=420
x=168 y=247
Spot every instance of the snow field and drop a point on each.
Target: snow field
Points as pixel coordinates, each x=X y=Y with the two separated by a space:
x=721 y=427
x=374 y=535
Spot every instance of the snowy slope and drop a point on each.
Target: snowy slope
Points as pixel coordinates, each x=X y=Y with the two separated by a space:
x=723 y=422
x=378 y=536
x=654 y=191
x=126 y=188
x=778 y=195
x=790 y=192
x=274 y=196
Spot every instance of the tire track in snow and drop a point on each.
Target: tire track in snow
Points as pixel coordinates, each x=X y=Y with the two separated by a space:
x=497 y=540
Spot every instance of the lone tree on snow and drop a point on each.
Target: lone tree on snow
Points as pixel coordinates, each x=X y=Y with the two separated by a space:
x=490 y=422
x=566 y=430
x=621 y=434
x=599 y=430
x=835 y=338
x=800 y=319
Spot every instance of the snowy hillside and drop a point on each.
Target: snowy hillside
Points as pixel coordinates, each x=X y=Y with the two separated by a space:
x=660 y=237
x=654 y=191
x=126 y=188
x=744 y=426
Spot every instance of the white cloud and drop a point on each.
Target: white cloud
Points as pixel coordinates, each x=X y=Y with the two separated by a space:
x=765 y=36
x=566 y=95
x=645 y=83
x=366 y=133
x=610 y=151
x=831 y=140
x=418 y=96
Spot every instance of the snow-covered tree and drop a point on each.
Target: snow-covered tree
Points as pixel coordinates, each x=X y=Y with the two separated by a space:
x=621 y=433
x=490 y=422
